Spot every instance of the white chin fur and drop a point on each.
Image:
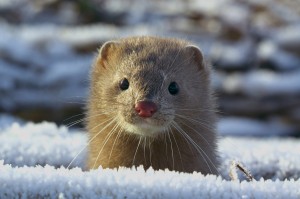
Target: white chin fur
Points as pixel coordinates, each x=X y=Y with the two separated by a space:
x=143 y=129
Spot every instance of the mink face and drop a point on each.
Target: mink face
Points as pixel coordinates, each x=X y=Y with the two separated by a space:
x=148 y=85
x=151 y=104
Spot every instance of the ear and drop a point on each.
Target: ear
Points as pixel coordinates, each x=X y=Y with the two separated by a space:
x=197 y=55
x=105 y=52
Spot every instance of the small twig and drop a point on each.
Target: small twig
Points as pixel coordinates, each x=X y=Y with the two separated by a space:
x=233 y=171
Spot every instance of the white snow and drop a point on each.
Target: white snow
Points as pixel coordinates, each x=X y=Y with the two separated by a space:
x=42 y=144
x=269 y=50
x=288 y=36
x=210 y=8
x=232 y=55
x=129 y=183
x=262 y=83
x=239 y=126
x=276 y=159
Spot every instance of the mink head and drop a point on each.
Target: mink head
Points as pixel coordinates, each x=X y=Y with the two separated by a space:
x=147 y=84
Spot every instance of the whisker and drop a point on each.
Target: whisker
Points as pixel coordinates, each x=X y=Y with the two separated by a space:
x=76 y=122
x=171 y=150
x=205 y=125
x=188 y=143
x=174 y=59
x=166 y=145
x=80 y=103
x=73 y=116
x=177 y=147
x=197 y=147
x=108 y=101
x=197 y=133
x=150 y=152
x=193 y=144
x=83 y=119
x=107 y=137
x=183 y=63
x=136 y=150
x=117 y=137
x=186 y=140
x=90 y=140
x=205 y=155
x=200 y=110
x=76 y=99
x=145 y=140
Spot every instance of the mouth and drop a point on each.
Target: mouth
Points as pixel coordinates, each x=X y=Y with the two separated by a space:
x=145 y=128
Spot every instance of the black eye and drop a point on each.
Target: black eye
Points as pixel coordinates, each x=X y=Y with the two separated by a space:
x=124 y=84
x=173 y=88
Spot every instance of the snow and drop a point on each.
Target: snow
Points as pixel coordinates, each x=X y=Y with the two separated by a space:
x=288 y=36
x=235 y=15
x=270 y=83
x=27 y=152
x=25 y=145
x=210 y=8
x=268 y=50
x=262 y=83
x=232 y=55
x=63 y=183
x=239 y=126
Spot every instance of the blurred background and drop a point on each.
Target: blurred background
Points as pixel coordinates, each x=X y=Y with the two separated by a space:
x=47 y=47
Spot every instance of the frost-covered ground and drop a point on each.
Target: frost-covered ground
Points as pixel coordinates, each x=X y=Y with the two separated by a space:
x=274 y=163
x=48 y=182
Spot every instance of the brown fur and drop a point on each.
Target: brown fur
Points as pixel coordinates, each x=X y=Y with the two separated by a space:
x=150 y=64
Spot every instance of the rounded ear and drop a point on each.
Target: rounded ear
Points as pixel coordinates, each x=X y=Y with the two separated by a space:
x=104 y=52
x=197 y=55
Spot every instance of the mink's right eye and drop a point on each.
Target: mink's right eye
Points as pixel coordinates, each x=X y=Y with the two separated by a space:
x=124 y=84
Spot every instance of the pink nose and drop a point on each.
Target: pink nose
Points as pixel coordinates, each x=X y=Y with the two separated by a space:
x=145 y=108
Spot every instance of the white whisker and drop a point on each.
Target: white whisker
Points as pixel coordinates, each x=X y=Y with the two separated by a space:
x=117 y=137
x=177 y=148
x=145 y=140
x=107 y=137
x=136 y=150
x=150 y=152
x=197 y=147
x=198 y=133
x=81 y=120
x=173 y=165
x=205 y=125
x=166 y=145
x=91 y=139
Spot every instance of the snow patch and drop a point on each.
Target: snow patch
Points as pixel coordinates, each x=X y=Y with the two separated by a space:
x=26 y=147
x=237 y=126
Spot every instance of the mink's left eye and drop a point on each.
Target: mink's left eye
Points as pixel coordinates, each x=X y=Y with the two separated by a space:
x=173 y=88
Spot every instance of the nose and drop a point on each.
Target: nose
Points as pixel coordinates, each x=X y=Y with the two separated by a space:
x=145 y=108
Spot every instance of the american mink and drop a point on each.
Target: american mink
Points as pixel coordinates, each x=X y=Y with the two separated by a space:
x=151 y=104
